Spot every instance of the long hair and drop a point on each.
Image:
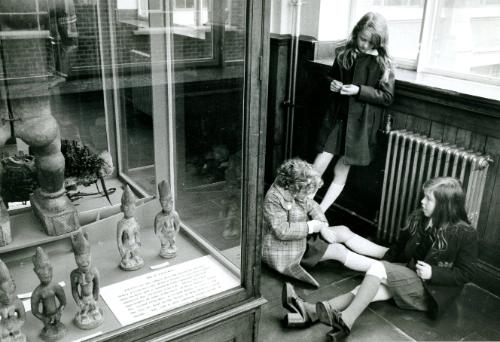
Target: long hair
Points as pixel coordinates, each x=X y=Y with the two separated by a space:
x=449 y=209
x=376 y=25
x=295 y=175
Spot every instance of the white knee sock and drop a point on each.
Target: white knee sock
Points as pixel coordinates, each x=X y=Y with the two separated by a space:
x=357 y=262
x=331 y=195
x=364 y=246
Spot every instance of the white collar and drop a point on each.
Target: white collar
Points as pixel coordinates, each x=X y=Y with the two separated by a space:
x=371 y=52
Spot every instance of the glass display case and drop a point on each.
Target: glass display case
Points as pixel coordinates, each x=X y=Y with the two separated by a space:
x=131 y=173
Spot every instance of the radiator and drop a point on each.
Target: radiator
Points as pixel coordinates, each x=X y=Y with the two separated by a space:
x=411 y=160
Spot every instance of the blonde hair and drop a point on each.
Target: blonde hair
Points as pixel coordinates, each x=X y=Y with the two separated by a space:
x=296 y=175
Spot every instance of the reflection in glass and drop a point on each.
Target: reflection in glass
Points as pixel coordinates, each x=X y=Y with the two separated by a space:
x=204 y=41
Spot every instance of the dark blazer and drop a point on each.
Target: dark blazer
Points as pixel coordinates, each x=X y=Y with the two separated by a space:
x=452 y=266
x=366 y=110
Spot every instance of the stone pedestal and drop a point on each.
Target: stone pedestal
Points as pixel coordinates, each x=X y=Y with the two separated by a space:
x=55 y=211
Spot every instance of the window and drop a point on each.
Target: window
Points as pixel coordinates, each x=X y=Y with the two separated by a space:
x=453 y=38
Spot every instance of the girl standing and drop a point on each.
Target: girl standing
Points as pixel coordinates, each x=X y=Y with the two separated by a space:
x=362 y=84
x=434 y=257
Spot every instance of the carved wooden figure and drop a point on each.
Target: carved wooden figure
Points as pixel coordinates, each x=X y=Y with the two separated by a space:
x=85 y=285
x=12 y=314
x=167 y=222
x=128 y=234
x=47 y=300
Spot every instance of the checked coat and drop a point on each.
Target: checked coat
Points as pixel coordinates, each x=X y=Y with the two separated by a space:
x=286 y=232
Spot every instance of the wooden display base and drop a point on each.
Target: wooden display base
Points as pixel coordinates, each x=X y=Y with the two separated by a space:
x=55 y=223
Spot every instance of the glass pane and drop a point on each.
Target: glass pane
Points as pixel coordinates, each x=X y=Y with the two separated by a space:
x=209 y=112
x=465 y=38
x=50 y=69
x=404 y=19
x=149 y=82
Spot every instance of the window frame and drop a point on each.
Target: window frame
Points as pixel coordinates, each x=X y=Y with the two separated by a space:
x=420 y=64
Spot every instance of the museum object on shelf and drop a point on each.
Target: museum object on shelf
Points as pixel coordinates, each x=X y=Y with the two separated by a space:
x=12 y=313
x=167 y=223
x=83 y=167
x=85 y=285
x=47 y=300
x=128 y=234
x=33 y=123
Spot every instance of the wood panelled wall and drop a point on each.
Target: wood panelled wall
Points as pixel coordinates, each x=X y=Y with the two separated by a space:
x=467 y=121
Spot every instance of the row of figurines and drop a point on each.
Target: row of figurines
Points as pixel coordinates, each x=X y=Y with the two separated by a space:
x=48 y=299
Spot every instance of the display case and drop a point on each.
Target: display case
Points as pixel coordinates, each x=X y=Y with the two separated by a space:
x=132 y=145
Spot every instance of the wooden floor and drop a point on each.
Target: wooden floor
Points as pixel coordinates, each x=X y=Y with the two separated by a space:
x=475 y=316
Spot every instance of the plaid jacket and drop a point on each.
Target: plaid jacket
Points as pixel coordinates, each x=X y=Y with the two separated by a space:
x=286 y=231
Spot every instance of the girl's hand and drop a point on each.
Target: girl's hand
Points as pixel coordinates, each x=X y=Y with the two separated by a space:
x=335 y=86
x=424 y=270
x=316 y=225
x=349 y=90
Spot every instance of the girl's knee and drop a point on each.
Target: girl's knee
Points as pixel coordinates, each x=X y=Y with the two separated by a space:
x=377 y=269
x=335 y=251
x=342 y=233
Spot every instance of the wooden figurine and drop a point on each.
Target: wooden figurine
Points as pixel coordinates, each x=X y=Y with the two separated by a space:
x=128 y=234
x=85 y=285
x=47 y=300
x=12 y=314
x=167 y=222
x=5 y=233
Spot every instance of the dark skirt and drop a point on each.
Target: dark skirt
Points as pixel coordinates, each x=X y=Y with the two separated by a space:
x=335 y=143
x=315 y=249
x=406 y=287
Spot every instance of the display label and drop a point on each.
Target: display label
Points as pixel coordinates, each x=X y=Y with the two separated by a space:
x=150 y=294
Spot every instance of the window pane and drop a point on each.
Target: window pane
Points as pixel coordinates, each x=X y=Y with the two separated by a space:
x=404 y=19
x=465 y=38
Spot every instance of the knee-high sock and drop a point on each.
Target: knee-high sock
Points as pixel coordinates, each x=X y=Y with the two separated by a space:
x=364 y=246
x=331 y=195
x=358 y=262
x=366 y=293
x=341 y=302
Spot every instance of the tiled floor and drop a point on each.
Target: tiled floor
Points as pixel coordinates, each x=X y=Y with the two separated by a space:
x=473 y=317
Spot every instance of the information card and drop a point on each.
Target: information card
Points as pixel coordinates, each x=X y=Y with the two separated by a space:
x=150 y=294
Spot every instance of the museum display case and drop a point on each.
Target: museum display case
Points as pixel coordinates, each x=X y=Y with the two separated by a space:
x=131 y=174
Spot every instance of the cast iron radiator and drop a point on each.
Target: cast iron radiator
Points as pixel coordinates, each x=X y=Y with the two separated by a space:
x=411 y=160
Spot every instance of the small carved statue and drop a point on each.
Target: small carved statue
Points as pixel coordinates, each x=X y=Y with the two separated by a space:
x=50 y=297
x=5 y=233
x=12 y=314
x=166 y=222
x=85 y=285
x=128 y=234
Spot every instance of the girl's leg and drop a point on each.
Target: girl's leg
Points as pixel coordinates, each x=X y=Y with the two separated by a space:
x=369 y=291
x=358 y=243
x=321 y=162
x=340 y=303
x=335 y=189
x=351 y=260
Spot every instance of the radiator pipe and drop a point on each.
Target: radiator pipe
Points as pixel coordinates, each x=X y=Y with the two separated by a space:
x=292 y=78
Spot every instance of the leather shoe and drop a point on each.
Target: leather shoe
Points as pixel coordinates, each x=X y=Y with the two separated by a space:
x=336 y=335
x=298 y=316
x=289 y=298
x=332 y=317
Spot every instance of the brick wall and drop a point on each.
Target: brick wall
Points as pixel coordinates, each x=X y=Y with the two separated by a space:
x=33 y=57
